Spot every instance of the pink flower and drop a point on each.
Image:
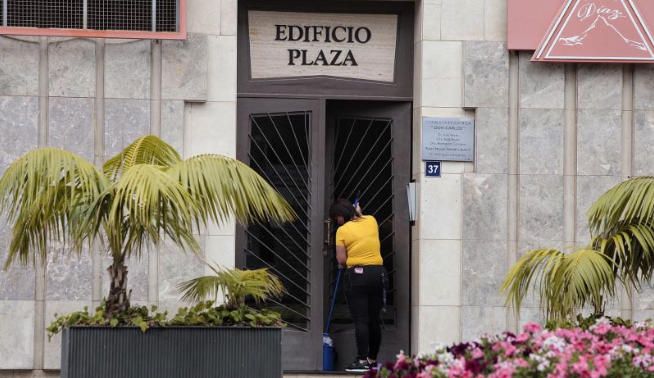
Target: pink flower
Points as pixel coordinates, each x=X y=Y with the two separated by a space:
x=531 y=327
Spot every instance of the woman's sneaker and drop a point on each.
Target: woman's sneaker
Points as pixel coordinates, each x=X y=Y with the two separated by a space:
x=358 y=366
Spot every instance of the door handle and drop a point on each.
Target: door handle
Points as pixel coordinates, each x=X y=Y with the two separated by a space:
x=327 y=229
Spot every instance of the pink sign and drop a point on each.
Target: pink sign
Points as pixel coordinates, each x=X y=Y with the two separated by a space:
x=558 y=33
x=528 y=21
x=597 y=31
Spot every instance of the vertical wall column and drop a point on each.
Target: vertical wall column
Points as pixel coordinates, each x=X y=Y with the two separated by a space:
x=155 y=129
x=513 y=206
x=627 y=298
x=99 y=158
x=570 y=158
x=40 y=284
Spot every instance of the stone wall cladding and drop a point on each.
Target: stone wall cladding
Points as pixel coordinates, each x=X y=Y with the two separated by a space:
x=19 y=67
x=542 y=123
x=71 y=122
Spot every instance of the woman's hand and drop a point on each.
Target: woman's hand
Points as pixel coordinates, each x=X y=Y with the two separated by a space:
x=357 y=210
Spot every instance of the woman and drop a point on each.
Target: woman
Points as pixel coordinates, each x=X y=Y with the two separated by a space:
x=358 y=249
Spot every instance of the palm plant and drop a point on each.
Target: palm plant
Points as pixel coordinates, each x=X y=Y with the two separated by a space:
x=621 y=251
x=236 y=285
x=143 y=194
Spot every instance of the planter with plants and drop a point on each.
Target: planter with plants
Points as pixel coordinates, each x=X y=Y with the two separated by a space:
x=144 y=194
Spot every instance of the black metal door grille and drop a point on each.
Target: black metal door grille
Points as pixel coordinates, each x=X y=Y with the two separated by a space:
x=363 y=164
x=279 y=150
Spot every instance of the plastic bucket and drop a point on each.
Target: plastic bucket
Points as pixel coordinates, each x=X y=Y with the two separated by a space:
x=328 y=353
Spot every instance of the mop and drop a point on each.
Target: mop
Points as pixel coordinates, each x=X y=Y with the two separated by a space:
x=328 y=352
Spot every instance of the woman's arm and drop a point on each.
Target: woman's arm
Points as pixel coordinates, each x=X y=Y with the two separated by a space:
x=341 y=255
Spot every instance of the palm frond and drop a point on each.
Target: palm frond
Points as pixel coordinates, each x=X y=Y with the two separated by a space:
x=235 y=284
x=41 y=193
x=146 y=203
x=223 y=187
x=631 y=201
x=527 y=272
x=631 y=247
x=566 y=282
x=148 y=149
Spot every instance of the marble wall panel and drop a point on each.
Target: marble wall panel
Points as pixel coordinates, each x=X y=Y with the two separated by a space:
x=541 y=207
x=599 y=146
x=184 y=68
x=643 y=84
x=127 y=69
x=204 y=16
x=433 y=193
x=435 y=325
x=176 y=266
x=16 y=282
x=486 y=74
x=645 y=299
x=71 y=125
x=477 y=321
x=531 y=315
x=69 y=276
x=52 y=347
x=485 y=201
x=492 y=140
x=643 y=161
x=228 y=17
x=19 y=118
x=541 y=141
x=541 y=85
x=438 y=268
x=462 y=20
x=589 y=189
x=484 y=268
x=172 y=124
x=643 y=315
x=439 y=68
x=125 y=120
x=495 y=14
x=19 y=67
x=17 y=330
x=72 y=68
x=599 y=86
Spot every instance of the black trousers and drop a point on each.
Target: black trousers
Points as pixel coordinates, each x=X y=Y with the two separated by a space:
x=365 y=297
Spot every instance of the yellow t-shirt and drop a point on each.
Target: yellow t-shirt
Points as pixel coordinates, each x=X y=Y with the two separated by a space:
x=360 y=238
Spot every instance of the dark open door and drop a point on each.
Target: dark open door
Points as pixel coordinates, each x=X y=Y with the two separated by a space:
x=369 y=152
x=283 y=140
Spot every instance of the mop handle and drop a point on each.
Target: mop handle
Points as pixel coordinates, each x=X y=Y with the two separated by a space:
x=331 y=307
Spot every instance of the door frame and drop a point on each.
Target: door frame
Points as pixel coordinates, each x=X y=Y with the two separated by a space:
x=319 y=205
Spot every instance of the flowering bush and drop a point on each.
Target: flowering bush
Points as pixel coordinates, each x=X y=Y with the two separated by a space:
x=603 y=350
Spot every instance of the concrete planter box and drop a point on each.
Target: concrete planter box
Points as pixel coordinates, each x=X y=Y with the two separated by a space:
x=197 y=352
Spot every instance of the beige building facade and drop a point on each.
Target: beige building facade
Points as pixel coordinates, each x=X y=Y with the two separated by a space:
x=549 y=139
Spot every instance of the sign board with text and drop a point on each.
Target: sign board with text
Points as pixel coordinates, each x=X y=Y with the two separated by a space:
x=294 y=44
x=448 y=139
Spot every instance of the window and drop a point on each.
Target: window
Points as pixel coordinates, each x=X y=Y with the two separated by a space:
x=159 y=19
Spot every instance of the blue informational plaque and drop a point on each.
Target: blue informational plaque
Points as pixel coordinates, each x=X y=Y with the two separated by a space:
x=448 y=139
x=433 y=168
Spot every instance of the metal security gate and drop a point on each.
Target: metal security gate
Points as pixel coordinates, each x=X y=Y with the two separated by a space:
x=313 y=151
x=369 y=155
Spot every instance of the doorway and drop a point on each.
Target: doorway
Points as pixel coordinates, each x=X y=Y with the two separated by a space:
x=313 y=151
